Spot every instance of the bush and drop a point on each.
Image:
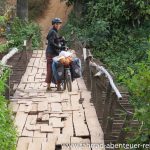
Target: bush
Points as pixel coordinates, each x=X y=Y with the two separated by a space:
x=137 y=80
x=8 y=134
x=21 y=31
x=3 y=47
x=118 y=33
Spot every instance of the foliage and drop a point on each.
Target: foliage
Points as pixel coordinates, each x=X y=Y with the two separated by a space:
x=21 y=31
x=2 y=24
x=3 y=47
x=118 y=33
x=8 y=132
x=2 y=21
x=137 y=80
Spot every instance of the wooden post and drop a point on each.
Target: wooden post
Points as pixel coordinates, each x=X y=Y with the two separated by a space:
x=2 y=6
x=99 y=104
x=110 y=120
x=7 y=90
x=22 y=9
x=123 y=133
x=29 y=43
x=93 y=90
x=106 y=107
x=93 y=83
x=87 y=74
x=78 y=8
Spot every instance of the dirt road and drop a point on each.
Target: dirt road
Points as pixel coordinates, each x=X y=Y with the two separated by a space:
x=56 y=8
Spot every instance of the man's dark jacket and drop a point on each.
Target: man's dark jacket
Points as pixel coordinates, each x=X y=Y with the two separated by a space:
x=53 y=42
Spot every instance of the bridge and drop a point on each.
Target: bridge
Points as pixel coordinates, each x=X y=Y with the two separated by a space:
x=94 y=113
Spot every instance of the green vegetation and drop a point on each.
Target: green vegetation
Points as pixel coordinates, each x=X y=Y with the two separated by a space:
x=3 y=48
x=7 y=128
x=21 y=31
x=18 y=32
x=118 y=32
x=2 y=21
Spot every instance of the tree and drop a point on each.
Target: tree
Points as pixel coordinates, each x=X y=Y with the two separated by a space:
x=22 y=9
x=2 y=6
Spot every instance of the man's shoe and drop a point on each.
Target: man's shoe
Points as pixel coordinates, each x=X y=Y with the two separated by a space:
x=48 y=89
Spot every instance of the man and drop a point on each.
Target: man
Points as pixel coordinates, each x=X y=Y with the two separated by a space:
x=52 y=50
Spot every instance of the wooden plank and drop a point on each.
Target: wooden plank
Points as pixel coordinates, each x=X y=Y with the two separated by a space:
x=23 y=95
x=81 y=84
x=50 y=144
x=28 y=108
x=39 y=134
x=14 y=106
x=22 y=107
x=64 y=96
x=45 y=117
x=28 y=70
x=68 y=126
x=66 y=105
x=23 y=143
x=34 y=71
x=32 y=94
x=31 y=78
x=38 y=76
x=46 y=128
x=87 y=97
x=34 y=109
x=33 y=127
x=79 y=124
x=27 y=87
x=38 y=99
x=56 y=132
x=36 y=85
x=75 y=101
x=20 y=121
x=63 y=139
x=31 y=120
x=49 y=108
x=39 y=140
x=24 y=79
x=75 y=86
x=56 y=95
x=40 y=114
x=26 y=132
x=42 y=106
x=80 y=143
x=96 y=133
x=32 y=85
x=31 y=62
x=35 y=146
x=59 y=115
x=56 y=107
x=56 y=122
x=21 y=86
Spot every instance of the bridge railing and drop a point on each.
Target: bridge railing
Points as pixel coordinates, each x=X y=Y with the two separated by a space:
x=107 y=100
x=13 y=60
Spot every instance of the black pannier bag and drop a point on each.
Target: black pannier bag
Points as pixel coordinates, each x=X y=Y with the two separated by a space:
x=58 y=71
x=76 y=71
